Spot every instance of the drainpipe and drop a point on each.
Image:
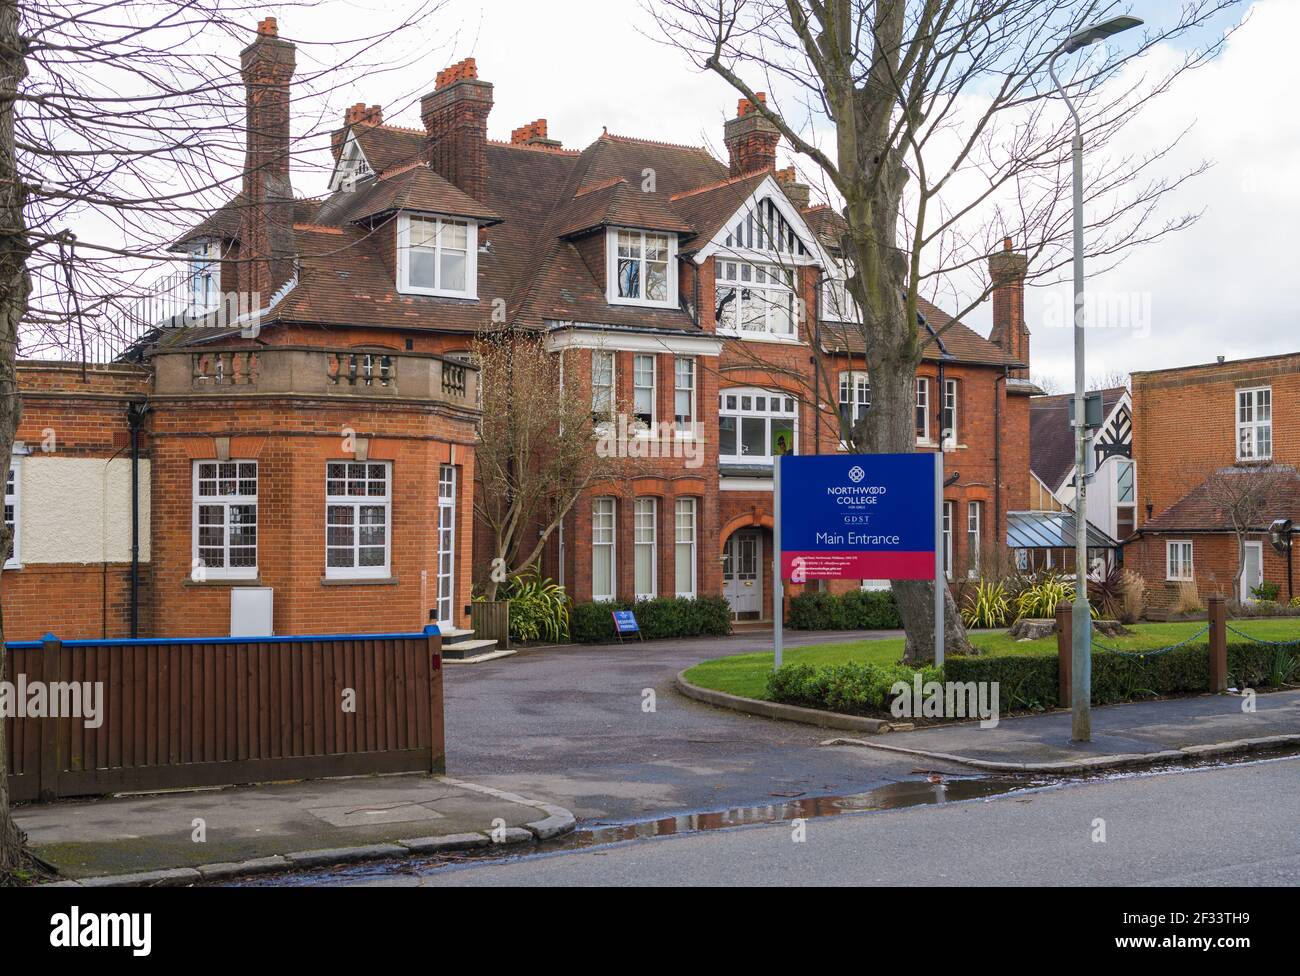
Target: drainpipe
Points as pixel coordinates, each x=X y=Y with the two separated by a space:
x=999 y=537
x=135 y=413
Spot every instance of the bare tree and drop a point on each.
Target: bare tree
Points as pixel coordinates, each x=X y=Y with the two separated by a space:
x=535 y=453
x=1246 y=497
x=937 y=131
x=122 y=124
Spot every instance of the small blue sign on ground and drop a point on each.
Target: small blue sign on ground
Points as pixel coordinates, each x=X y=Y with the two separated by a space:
x=625 y=623
x=858 y=516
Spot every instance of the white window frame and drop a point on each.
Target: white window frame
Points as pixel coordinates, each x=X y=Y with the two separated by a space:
x=602 y=413
x=686 y=428
x=446 y=588
x=1180 y=568
x=470 y=291
x=732 y=274
x=1255 y=400
x=923 y=408
x=225 y=502
x=949 y=513
x=13 y=499
x=736 y=397
x=684 y=536
x=639 y=360
x=645 y=534
x=855 y=392
x=974 y=536
x=837 y=304
x=204 y=276
x=356 y=503
x=600 y=540
x=612 y=258
x=949 y=411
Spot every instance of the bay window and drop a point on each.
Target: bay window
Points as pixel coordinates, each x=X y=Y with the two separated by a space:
x=754 y=426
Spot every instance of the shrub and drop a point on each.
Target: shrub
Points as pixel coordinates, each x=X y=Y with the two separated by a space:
x=1295 y=603
x=987 y=605
x=1040 y=597
x=852 y=689
x=1266 y=592
x=1188 y=599
x=1120 y=596
x=539 y=608
x=661 y=617
x=855 y=610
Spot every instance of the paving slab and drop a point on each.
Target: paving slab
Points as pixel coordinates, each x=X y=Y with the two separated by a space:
x=1130 y=734
x=206 y=834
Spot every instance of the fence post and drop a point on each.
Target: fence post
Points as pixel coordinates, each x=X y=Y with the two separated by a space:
x=437 y=731
x=1064 y=652
x=51 y=751
x=1218 y=645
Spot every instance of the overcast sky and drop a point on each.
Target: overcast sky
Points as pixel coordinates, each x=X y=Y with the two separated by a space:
x=1222 y=287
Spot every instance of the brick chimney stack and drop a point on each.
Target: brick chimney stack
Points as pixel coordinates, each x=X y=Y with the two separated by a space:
x=797 y=193
x=533 y=134
x=1007 y=270
x=362 y=114
x=751 y=139
x=266 y=238
x=455 y=118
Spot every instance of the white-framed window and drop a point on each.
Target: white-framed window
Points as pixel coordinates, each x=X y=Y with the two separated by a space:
x=205 y=276
x=602 y=385
x=358 y=515
x=754 y=425
x=643 y=391
x=684 y=395
x=1255 y=424
x=446 y=543
x=855 y=400
x=684 y=553
x=437 y=256
x=974 y=528
x=922 y=409
x=754 y=299
x=644 y=518
x=948 y=515
x=1178 y=560
x=13 y=516
x=603 y=573
x=224 y=537
x=949 y=432
x=837 y=304
x=1125 y=498
x=641 y=268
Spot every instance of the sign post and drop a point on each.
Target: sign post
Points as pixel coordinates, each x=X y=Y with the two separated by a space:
x=855 y=517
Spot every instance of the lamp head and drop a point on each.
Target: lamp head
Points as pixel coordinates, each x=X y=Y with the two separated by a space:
x=1098 y=32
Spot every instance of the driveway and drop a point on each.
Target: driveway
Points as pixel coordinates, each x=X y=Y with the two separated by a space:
x=573 y=725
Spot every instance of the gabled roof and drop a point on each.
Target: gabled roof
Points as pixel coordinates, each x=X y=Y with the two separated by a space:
x=1051 y=439
x=1200 y=510
x=957 y=342
x=614 y=203
x=708 y=208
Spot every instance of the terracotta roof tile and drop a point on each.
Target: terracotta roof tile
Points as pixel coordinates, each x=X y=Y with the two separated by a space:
x=1199 y=510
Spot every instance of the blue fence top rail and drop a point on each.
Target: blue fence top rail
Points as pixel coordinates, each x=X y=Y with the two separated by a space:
x=429 y=631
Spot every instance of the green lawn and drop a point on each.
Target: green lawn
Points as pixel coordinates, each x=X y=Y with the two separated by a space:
x=746 y=674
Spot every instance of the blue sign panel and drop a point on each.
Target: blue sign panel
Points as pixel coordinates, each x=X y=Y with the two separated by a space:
x=857 y=516
x=625 y=622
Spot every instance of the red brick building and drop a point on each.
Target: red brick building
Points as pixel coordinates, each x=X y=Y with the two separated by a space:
x=666 y=279
x=1201 y=435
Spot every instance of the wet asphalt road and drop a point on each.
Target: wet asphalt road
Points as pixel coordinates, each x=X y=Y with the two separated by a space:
x=567 y=724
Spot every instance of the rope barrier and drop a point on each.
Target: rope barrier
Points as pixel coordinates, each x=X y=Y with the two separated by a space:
x=1154 y=651
x=1259 y=640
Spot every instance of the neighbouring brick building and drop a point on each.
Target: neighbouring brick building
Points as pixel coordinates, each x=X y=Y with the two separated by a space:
x=1201 y=435
x=666 y=280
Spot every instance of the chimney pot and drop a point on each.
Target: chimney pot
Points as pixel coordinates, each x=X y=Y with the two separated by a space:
x=268 y=28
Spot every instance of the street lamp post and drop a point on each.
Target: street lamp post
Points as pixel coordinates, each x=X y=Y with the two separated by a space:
x=1081 y=637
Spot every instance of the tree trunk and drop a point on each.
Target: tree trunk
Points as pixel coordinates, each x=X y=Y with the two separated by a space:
x=15 y=285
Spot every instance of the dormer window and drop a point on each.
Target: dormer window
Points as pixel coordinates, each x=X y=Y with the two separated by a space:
x=640 y=268
x=436 y=256
x=204 y=277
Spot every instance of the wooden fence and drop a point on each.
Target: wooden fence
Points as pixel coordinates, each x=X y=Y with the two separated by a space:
x=491 y=619
x=207 y=712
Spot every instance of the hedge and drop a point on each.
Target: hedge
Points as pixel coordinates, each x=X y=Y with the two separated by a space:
x=855 y=610
x=1031 y=681
x=851 y=689
x=662 y=617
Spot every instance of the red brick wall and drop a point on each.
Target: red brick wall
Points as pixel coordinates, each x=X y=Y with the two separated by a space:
x=1214 y=561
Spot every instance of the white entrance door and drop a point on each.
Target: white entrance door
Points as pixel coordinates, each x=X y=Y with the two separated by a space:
x=742 y=583
x=1254 y=571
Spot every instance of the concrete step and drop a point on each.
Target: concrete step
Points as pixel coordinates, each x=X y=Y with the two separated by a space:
x=454 y=635
x=467 y=648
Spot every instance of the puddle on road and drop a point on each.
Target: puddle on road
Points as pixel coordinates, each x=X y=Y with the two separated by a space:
x=929 y=789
